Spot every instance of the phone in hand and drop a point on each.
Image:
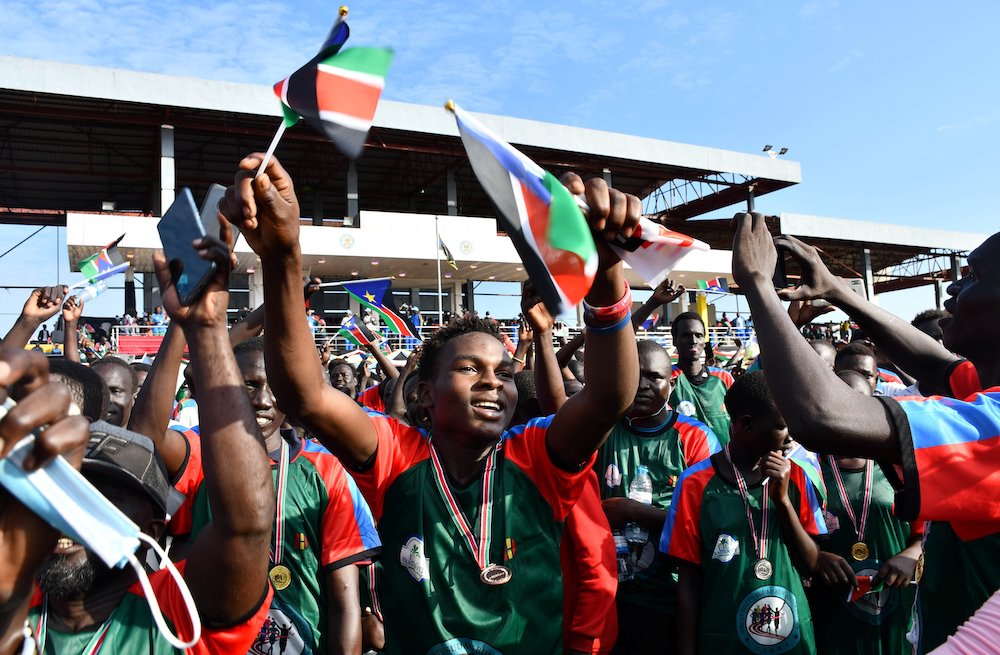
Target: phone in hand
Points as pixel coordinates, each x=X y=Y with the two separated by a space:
x=178 y=228
x=780 y=278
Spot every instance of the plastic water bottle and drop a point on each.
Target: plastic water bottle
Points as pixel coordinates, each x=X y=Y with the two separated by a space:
x=623 y=555
x=91 y=291
x=641 y=491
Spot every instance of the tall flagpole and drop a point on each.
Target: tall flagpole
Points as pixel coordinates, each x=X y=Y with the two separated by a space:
x=437 y=249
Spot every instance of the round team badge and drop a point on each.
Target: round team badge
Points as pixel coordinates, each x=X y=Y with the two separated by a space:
x=875 y=606
x=768 y=621
x=687 y=408
x=284 y=631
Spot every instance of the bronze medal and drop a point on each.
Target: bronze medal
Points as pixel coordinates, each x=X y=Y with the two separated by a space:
x=763 y=569
x=859 y=551
x=496 y=575
x=280 y=576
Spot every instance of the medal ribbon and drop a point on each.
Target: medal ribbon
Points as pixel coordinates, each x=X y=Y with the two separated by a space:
x=859 y=526
x=93 y=646
x=279 y=503
x=741 y=484
x=479 y=545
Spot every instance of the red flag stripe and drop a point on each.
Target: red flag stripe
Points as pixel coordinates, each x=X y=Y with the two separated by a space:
x=343 y=95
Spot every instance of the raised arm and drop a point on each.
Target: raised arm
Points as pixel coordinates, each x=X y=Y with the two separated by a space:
x=42 y=304
x=396 y=404
x=43 y=405
x=247 y=327
x=663 y=294
x=71 y=311
x=231 y=552
x=267 y=213
x=388 y=368
x=908 y=347
x=583 y=423
x=801 y=547
x=823 y=413
x=151 y=412
x=548 y=380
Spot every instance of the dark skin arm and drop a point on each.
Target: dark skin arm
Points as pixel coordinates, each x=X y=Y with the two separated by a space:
x=524 y=342
x=911 y=349
x=267 y=213
x=625 y=510
x=71 y=311
x=25 y=539
x=737 y=356
x=583 y=423
x=823 y=413
x=566 y=352
x=343 y=613
x=548 y=381
x=151 y=412
x=688 y=608
x=663 y=294
x=247 y=327
x=397 y=400
x=388 y=370
x=801 y=547
x=42 y=304
x=231 y=552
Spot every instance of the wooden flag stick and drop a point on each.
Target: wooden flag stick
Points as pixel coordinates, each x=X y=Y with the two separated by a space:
x=270 y=149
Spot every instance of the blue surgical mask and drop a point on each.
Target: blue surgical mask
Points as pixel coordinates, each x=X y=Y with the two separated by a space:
x=66 y=500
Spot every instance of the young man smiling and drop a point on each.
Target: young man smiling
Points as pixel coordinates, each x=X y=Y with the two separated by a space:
x=475 y=511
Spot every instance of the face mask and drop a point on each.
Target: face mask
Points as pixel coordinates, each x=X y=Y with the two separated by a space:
x=64 y=499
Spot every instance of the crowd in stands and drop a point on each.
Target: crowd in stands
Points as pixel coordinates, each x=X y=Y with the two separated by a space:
x=499 y=493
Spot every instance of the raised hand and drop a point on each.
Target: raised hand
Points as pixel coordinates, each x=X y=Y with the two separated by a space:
x=265 y=209
x=611 y=212
x=536 y=317
x=777 y=469
x=754 y=254
x=666 y=292
x=209 y=309
x=817 y=281
x=72 y=309
x=835 y=572
x=44 y=303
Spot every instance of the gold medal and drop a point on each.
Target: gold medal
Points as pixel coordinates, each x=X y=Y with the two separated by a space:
x=280 y=576
x=859 y=551
x=919 y=571
x=495 y=575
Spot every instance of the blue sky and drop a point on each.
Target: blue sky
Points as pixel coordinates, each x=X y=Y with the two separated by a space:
x=892 y=108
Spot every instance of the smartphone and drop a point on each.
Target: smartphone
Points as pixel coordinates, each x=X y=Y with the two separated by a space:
x=210 y=209
x=178 y=228
x=780 y=279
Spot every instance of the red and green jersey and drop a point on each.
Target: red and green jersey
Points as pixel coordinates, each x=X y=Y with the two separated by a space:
x=666 y=450
x=131 y=630
x=950 y=452
x=704 y=398
x=434 y=600
x=707 y=526
x=876 y=623
x=371 y=398
x=327 y=525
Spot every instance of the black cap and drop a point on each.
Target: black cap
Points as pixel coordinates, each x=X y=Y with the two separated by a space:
x=127 y=457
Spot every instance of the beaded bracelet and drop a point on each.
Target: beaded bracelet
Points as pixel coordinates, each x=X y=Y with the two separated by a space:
x=611 y=313
x=614 y=327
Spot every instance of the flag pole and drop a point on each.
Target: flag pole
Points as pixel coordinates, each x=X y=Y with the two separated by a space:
x=270 y=149
x=437 y=238
x=342 y=282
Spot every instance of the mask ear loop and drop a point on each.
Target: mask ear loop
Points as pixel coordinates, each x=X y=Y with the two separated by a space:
x=154 y=606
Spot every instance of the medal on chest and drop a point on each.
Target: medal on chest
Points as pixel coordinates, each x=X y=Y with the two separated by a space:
x=280 y=575
x=762 y=568
x=860 y=550
x=478 y=542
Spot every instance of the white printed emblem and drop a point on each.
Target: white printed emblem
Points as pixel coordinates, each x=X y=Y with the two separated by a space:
x=770 y=621
x=411 y=556
x=687 y=408
x=726 y=548
x=613 y=475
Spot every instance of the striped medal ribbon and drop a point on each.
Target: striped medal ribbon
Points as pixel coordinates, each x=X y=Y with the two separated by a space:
x=762 y=568
x=860 y=550
x=280 y=575
x=478 y=544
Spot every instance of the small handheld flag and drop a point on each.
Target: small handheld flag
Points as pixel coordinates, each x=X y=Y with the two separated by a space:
x=654 y=250
x=375 y=294
x=541 y=217
x=447 y=254
x=357 y=333
x=105 y=263
x=864 y=588
x=719 y=284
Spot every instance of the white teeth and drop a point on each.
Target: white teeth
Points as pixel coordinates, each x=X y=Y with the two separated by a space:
x=261 y=421
x=487 y=405
x=65 y=542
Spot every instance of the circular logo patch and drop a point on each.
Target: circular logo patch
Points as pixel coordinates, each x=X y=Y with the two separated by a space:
x=768 y=620
x=347 y=242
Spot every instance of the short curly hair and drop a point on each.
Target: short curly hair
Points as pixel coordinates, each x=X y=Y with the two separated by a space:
x=929 y=315
x=431 y=348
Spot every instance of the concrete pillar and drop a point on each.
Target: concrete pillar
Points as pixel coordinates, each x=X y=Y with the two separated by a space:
x=352 y=195
x=317 y=207
x=868 y=275
x=956 y=267
x=130 y=291
x=456 y=296
x=939 y=294
x=168 y=177
x=255 y=281
x=452 y=190
x=470 y=295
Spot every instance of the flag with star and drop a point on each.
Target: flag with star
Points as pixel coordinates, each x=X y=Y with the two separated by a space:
x=377 y=295
x=358 y=333
x=105 y=263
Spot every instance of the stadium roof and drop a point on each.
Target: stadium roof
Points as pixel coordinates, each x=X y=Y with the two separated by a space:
x=77 y=136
